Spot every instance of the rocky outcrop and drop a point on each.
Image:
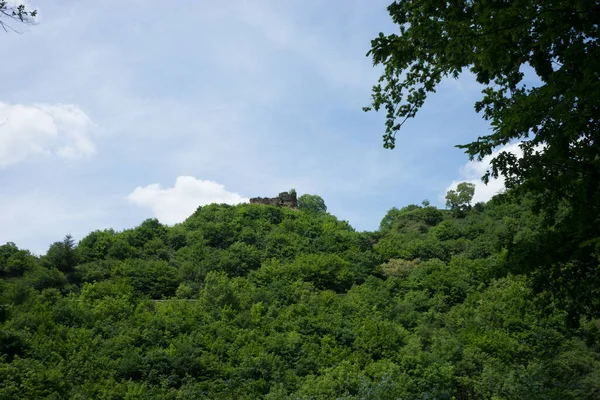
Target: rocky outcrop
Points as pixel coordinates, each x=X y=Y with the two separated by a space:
x=285 y=199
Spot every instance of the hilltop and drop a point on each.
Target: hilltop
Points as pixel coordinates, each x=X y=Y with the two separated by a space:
x=292 y=304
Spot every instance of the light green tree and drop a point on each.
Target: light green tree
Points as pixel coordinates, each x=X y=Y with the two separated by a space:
x=312 y=203
x=460 y=199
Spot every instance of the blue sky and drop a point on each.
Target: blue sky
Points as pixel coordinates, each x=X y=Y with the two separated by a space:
x=118 y=111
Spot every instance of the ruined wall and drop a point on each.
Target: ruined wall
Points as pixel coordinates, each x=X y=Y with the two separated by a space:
x=284 y=199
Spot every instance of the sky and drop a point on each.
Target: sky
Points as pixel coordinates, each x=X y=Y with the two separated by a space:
x=113 y=112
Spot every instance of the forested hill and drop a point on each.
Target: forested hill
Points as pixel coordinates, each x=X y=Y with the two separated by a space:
x=270 y=302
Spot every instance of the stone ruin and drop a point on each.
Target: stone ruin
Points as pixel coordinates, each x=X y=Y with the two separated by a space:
x=285 y=199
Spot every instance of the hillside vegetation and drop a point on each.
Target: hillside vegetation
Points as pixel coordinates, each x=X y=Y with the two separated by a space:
x=255 y=301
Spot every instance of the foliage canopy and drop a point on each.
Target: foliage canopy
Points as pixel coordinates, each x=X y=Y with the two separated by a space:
x=556 y=121
x=460 y=199
x=311 y=203
x=255 y=301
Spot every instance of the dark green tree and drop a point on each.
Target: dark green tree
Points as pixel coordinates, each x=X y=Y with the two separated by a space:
x=62 y=255
x=153 y=278
x=311 y=203
x=13 y=261
x=556 y=121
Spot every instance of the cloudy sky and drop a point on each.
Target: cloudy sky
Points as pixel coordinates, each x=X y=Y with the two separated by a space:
x=115 y=111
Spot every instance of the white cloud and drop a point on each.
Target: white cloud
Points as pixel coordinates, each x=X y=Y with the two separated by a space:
x=173 y=205
x=472 y=172
x=61 y=130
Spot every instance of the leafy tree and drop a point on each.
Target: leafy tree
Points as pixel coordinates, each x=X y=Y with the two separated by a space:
x=14 y=262
x=148 y=230
x=555 y=121
x=312 y=203
x=460 y=199
x=94 y=271
x=62 y=255
x=154 y=278
x=95 y=246
x=15 y=12
x=411 y=218
x=495 y=41
x=43 y=278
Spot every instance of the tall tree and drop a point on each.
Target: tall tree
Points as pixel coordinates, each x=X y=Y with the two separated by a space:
x=459 y=200
x=15 y=12
x=557 y=122
x=311 y=203
x=62 y=255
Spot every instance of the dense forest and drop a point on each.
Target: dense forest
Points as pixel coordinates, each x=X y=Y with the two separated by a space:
x=255 y=301
x=497 y=300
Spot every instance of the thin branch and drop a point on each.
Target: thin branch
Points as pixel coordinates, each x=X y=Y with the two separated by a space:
x=18 y=14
